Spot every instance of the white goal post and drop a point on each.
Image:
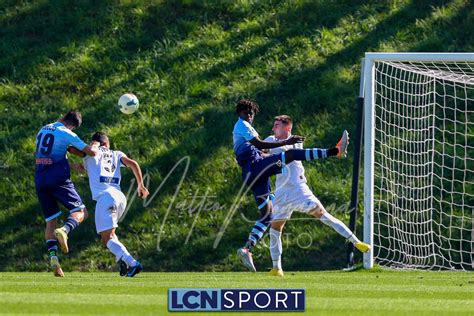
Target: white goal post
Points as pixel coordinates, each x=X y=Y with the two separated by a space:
x=419 y=160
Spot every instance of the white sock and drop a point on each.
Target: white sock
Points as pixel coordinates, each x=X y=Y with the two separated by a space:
x=120 y=252
x=276 y=248
x=339 y=226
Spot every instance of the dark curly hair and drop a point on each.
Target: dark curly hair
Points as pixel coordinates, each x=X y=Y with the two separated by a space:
x=246 y=104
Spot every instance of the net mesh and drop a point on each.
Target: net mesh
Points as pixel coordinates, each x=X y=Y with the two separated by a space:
x=424 y=165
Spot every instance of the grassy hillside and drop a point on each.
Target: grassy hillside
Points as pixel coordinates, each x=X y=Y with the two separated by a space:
x=188 y=62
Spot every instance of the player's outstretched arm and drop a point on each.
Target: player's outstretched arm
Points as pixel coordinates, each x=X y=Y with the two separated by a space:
x=76 y=152
x=260 y=144
x=88 y=150
x=137 y=172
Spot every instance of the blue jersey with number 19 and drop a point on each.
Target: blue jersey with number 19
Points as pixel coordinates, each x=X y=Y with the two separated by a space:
x=52 y=142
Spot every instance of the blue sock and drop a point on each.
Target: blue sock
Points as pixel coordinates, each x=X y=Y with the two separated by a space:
x=70 y=224
x=258 y=230
x=309 y=154
x=52 y=245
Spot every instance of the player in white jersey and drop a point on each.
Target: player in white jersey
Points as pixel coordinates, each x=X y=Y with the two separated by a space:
x=293 y=194
x=104 y=181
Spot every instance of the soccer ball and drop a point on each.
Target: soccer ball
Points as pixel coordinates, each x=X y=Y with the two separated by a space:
x=128 y=103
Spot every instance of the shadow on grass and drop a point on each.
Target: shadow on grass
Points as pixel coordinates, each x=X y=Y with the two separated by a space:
x=201 y=142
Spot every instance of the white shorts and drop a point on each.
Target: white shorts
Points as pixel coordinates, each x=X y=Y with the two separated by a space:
x=292 y=198
x=109 y=208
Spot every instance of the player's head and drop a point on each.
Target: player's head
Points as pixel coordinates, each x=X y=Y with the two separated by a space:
x=102 y=138
x=246 y=109
x=72 y=119
x=282 y=126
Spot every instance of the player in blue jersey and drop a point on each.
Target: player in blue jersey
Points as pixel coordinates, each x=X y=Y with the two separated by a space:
x=257 y=168
x=53 y=182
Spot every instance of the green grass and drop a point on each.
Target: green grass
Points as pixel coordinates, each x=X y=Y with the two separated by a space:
x=327 y=293
x=189 y=62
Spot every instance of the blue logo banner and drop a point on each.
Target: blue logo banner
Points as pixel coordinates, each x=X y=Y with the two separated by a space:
x=270 y=300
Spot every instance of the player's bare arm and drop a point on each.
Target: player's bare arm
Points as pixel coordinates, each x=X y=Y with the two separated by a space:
x=88 y=150
x=260 y=144
x=74 y=151
x=132 y=164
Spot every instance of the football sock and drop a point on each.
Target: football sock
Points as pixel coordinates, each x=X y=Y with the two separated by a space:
x=276 y=248
x=353 y=239
x=256 y=234
x=309 y=154
x=52 y=245
x=120 y=252
x=339 y=227
x=70 y=224
x=258 y=230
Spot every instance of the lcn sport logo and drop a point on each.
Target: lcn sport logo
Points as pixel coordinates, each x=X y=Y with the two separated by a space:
x=218 y=300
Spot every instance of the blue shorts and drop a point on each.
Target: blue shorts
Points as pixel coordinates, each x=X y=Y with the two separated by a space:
x=51 y=192
x=257 y=175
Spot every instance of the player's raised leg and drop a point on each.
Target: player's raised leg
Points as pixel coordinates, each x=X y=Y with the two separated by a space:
x=339 y=151
x=320 y=212
x=66 y=194
x=72 y=222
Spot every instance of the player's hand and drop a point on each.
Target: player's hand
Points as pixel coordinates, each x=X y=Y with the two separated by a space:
x=94 y=146
x=143 y=191
x=295 y=139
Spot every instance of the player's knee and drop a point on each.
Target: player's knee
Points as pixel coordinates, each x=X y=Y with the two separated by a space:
x=317 y=211
x=52 y=223
x=278 y=225
x=105 y=239
x=266 y=211
x=85 y=214
x=106 y=236
x=80 y=215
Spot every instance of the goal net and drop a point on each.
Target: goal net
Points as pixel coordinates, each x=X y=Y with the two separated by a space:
x=419 y=160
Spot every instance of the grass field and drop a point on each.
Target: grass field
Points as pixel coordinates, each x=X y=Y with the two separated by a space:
x=327 y=293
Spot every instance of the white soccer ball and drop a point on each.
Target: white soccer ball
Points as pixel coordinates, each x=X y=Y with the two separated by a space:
x=128 y=103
